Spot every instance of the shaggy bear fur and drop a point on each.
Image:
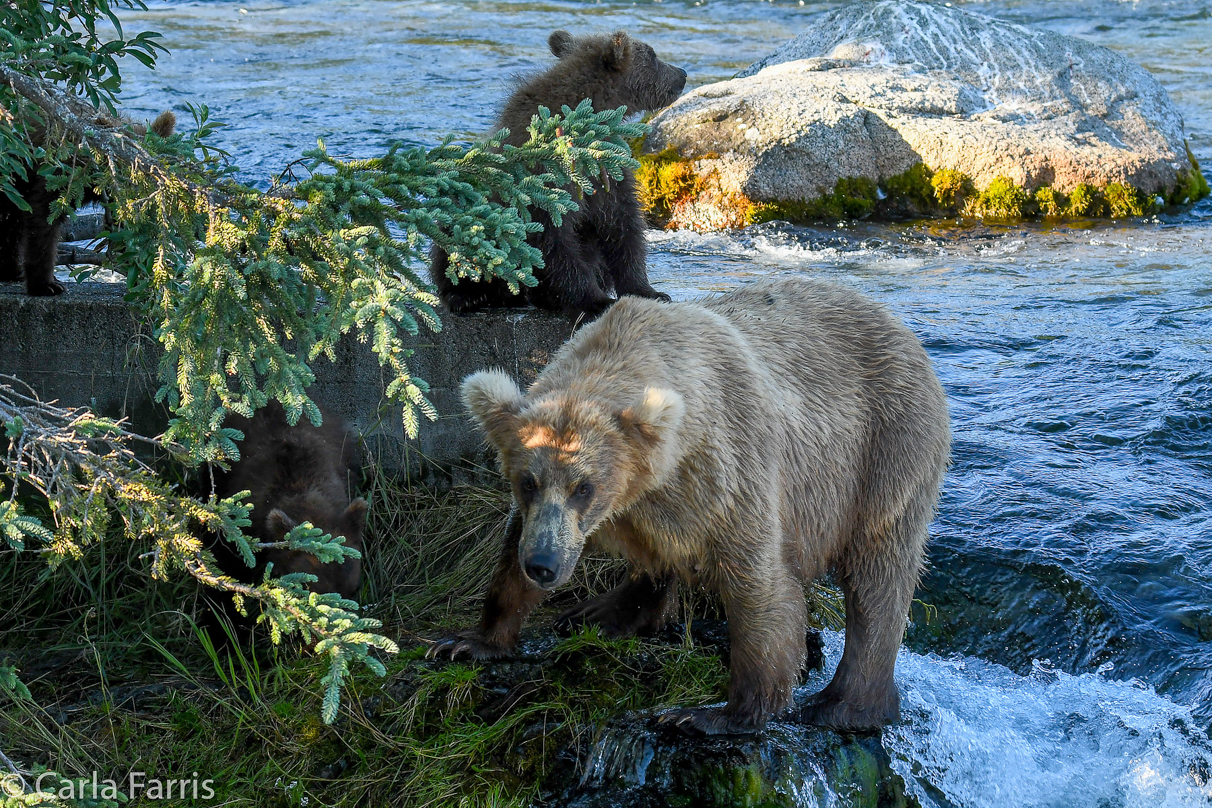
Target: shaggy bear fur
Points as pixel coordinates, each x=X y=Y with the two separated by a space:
x=29 y=240
x=294 y=474
x=600 y=248
x=749 y=444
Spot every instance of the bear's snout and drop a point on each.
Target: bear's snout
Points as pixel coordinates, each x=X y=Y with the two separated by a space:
x=550 y=546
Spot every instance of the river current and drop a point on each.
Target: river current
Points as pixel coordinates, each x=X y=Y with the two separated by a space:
x=1061 y=651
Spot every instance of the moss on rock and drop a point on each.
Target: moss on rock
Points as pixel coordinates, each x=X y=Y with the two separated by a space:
x=1123 y=200
x=1003 y=200
x=951 y=188
x=1192 y=186
x=1050 y=202
x=851 y=198
x=664 y=179
x=678 y=193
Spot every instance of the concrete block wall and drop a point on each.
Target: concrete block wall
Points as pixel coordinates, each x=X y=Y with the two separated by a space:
x=88 y=347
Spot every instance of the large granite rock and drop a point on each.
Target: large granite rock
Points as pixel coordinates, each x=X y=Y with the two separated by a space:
x=876 y=88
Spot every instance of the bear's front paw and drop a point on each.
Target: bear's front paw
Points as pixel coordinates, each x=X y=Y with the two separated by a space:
x=45 y=289
x=466 y=645
x=714 y=720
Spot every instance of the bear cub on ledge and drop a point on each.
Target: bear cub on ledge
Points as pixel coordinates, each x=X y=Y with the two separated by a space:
x=599 y=248
x=747 y=443
x=29 y=240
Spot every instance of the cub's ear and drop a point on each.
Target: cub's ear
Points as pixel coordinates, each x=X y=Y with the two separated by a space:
x=494 y=400
x=278 y=524
x=164 y=124
x=652 y=427
x=618 y=51
x=560 y=43
x=355 y=514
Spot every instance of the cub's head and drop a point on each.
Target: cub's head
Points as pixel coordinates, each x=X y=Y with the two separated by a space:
x=616 y=70
x=348 y=521
x=573 y=462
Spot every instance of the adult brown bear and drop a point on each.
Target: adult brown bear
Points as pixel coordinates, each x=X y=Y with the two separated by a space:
x=29 y=239
x=747 y=443
x=600 y=248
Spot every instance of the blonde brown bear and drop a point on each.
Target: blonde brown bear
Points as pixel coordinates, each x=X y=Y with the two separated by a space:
x=748 y=443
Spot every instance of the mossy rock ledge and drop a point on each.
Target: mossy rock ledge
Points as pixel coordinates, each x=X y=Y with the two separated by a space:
x=634 y=762
x=906 y=109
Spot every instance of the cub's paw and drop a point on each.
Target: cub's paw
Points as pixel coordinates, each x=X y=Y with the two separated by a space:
x=469 y=645
x=45 y=289
x=714 y=720
x=465 y=304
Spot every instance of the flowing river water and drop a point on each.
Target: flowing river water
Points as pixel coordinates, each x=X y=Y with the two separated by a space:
x=1061 y=654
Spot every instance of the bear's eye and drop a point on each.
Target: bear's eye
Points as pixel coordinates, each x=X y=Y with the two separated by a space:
x=584 y=490
x=529 y=483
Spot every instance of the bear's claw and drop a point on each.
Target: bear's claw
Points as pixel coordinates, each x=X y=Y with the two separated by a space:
x=49 y=289
x=469 y=644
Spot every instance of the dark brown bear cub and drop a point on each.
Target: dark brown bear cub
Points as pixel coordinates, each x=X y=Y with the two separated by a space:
x=600 y=248
x=294 y=474
x=29 y=240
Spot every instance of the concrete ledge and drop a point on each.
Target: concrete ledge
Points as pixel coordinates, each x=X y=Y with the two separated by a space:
x=87 y=347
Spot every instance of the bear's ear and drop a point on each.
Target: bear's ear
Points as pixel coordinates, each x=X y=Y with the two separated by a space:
x=278 y=524
x=652 y=426
x=560 y=43
x=494 y=400
x=618 y=51
x=355 y=514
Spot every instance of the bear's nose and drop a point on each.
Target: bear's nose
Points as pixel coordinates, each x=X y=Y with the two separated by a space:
x=683 y=72
x=541 y=568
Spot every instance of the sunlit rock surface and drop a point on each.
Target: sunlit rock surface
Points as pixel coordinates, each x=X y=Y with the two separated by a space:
x=877 y=87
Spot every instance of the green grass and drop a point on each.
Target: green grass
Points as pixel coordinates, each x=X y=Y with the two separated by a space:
x=121 y=680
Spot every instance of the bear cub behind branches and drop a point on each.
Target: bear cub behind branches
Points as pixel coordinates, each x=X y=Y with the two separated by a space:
x=294 y=474
x=29 y=240
x=747 y=443
x=599 y=248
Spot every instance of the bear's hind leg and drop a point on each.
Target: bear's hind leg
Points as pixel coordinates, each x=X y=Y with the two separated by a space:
x=641 y=604
x=878 y=582
x=625 y=252
x=41 y=241
x=10 y=241
x=569 y=281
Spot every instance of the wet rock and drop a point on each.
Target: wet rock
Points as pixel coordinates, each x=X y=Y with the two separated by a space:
x=633 y=762
x=879 y=87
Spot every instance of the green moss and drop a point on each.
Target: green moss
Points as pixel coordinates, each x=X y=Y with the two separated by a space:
x=851 y=198
x=1050 y=202
x=1124 y=200
x=664 y=179
x=951 y=188
x=1191 y=187
x=914 y=186
x=1003 y=200
x=1084 y=201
